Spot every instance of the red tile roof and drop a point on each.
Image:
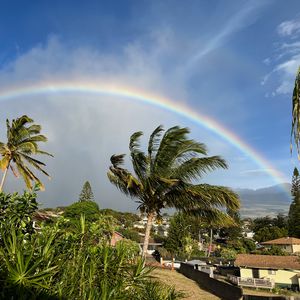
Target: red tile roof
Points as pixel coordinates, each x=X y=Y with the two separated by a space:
x=267 y=261
x=283 y=241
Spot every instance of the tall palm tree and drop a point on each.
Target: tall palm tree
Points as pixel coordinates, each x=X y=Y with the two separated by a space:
x=295 y=132
x=167 y=176
x=23 y=137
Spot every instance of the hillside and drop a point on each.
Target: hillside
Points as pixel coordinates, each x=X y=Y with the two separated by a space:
x=265 y=201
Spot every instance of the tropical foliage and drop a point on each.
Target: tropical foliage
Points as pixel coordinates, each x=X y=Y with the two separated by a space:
x=168 y=175
x=17 y=210
x=63 y=261
x=23 y=138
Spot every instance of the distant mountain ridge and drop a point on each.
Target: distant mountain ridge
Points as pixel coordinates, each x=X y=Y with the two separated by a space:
x=265 y=201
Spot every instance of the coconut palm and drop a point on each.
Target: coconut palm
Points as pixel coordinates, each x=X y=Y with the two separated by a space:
x=295 y=132
x=167 y=176
x=23 y=137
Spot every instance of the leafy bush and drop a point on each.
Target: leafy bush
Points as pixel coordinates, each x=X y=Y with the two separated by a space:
x=89 y=208
x=228 y=253
x=130 y=234
x=156 y=290
x=17 y=210
x=273 y=250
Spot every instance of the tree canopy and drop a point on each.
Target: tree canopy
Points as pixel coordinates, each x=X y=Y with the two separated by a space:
x=88 y=208
x=267 y=228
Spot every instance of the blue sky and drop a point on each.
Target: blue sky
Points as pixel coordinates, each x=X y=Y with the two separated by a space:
x=234 y=61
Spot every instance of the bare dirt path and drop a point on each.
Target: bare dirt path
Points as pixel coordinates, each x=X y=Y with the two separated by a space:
x=182 y=283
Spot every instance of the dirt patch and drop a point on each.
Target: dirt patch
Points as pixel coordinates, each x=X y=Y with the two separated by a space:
x=182 y=283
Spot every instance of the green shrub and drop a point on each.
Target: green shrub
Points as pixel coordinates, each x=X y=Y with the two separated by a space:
x=89 y=208
x=130 y=234
x=228 y=253
x=17 y=211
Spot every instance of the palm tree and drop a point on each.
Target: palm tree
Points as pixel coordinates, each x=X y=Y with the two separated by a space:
x=167 y=177
x=295 y=132
x=23 y=137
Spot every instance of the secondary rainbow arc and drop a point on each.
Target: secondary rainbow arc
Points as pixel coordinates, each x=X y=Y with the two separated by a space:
x=151 y=99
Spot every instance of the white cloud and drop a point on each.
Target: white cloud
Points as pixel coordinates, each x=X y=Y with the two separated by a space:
x=257 y=171
x=286 y=61
x=288 y=28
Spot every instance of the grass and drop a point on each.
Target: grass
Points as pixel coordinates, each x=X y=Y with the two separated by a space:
x=184 y=284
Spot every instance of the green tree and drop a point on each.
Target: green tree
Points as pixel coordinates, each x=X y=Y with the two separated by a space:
x=23 y=137
x=89 y=208
x=294 y=212
x=274 y=250
x=229 y=254
x=168 y=174
x=86 y=193
x=270 y=233
x=125 y=219
x=178 y=231
x=267 y=228
x=234 y=231
x=130 y=234
x=249 y=245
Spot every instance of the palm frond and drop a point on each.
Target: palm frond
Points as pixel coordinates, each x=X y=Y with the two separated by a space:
x=295 y=131
x=212 y=216
x=44 y=153
x=169 y=148
x=196 y=167
x=138 y=158
x=34 y=129
x=28 y=175
x=4 y=162
x=217 y=195
x=153 y=145
x=35 y=138
x=35 y=163
x=117 y=160
x=123 y=185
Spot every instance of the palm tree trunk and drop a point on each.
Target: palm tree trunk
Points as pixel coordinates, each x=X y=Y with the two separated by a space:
x=3 y=178
x=150 y=217
x=210 y=242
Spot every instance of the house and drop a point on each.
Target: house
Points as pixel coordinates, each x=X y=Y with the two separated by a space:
x=152 y=245
x=116 y=237
x=283 y=271
x=44 y=216
x=287 y=244
x=159 y=225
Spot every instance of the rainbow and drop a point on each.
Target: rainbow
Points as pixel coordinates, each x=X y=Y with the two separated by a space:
x=147 y=98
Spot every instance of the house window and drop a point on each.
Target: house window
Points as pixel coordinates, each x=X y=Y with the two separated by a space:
x=271 y=272
x=255 y=273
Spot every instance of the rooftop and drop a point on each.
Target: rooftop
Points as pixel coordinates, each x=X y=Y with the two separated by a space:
x=283 y=241
x=267 y=261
